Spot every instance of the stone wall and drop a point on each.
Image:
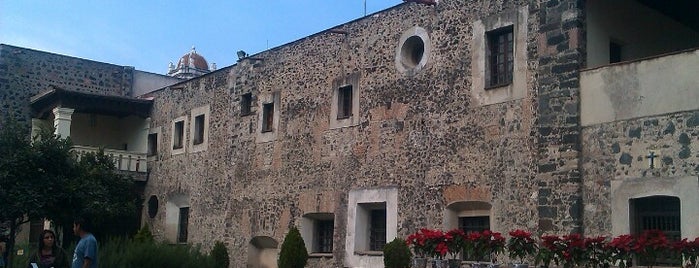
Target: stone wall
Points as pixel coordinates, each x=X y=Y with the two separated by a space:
x=26 y=72
x=617 y=152
x=422 y=133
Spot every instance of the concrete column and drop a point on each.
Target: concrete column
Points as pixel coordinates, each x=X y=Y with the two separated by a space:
x=37 y=124
x=61 y=121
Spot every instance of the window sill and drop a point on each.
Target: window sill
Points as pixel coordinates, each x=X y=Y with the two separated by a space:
x=267 y=131
x=320 y=255
x=369 y=253
x=493 y=87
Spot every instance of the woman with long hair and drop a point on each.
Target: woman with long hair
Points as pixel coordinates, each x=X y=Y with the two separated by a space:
x=48 y=253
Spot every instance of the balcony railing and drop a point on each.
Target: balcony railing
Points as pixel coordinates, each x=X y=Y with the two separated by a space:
x=123 y=160
x=651 y=86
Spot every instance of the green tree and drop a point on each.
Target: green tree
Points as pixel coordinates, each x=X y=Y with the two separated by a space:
x=44 y=179
x=293 y=252
x=29 y=175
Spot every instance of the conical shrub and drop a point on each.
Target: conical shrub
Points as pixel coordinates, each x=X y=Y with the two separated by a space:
x=293 y=252
x=220 y=255
x=396 y=254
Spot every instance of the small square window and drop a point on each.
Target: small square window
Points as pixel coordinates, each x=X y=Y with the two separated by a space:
x=267 y=117
x=198 y=129
x=500 y=57
x=614 y=52
x=377 y=230
x=178 y=135
x=245 y=104
x=344 y=102
x=152 y=144
x=324 y=236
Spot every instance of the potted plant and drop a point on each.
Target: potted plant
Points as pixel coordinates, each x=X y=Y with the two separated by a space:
x=650 y=245
x=549 y=250
x=620 y=249
x=484 y=245
x=455 y=240
x=596 y=251
x=519 y=246
x=689 y=251
x=573 y=253
x=418 y=242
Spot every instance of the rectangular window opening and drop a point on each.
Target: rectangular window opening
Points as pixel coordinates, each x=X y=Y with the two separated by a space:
x=152 y=144
x=198 y=129
x=182 y=225
x=474 y=224
x=324 y=236
x=245 y=104
x=657 y=213
x=178 y=135
x=614 y=52
x=500 y=57
x=267 y=117
x=377 y=229
x=344 y=102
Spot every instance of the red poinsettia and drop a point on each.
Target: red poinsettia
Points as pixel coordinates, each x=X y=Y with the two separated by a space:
x=455 y=239
x=484 y=244
x=520 y=245
x=621 y=248
x=650 y=245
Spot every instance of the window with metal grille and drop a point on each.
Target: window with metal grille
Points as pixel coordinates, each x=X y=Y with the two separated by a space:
x=657 y=213
x=178 y=135
x=267 y=117
x=324 y=236
x=500 y=57
x=152 y=144
x=377 y=230
x=344 y=102
x=198 y=130
x=245 y=104
x=182 y=225
x=474 y=224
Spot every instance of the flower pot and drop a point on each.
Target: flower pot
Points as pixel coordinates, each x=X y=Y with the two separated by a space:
x=520 y=265
x=440 y=263
x=419 y=263
x=454 y=263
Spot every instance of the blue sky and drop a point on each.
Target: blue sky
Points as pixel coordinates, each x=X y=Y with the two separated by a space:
x=149 y=34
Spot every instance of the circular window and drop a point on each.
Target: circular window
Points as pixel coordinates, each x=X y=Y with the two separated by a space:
x=152 y=206
x=412 y=51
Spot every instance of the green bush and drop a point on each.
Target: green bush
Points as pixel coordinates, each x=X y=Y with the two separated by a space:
x=144 y=235
x=293 y=253
x=220 y=255
x=396 y=254
x=126 y=253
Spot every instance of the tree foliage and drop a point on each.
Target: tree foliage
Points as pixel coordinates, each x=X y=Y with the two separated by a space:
x=43 y=178
x=220 y=255
x=293 y=252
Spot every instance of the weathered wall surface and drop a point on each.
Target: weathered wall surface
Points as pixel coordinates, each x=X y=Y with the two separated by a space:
x=616 y=153
x=424 y=134
x=26 y=72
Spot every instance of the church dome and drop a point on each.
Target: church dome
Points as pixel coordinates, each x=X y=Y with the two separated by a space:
x=193 y=60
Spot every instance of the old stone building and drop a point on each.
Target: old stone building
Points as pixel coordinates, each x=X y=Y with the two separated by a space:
x=554 y=116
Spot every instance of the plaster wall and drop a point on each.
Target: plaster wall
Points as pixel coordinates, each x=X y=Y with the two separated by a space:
x=145 y=82
x=641 y=31
x=110 y=132
x=641 y=88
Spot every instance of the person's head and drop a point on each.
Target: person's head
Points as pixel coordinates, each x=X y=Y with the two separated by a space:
x=47 y=239
x=81 y=225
